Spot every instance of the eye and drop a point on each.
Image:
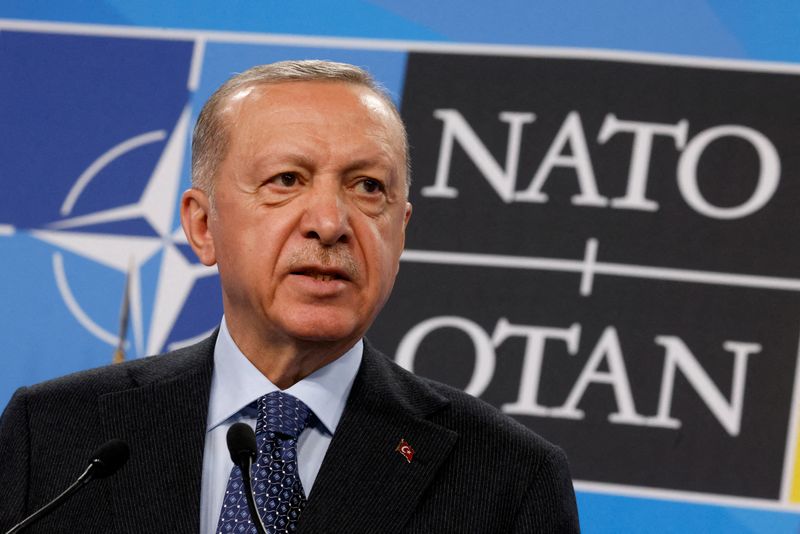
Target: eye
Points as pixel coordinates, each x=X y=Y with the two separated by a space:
x=284 y=179
x=370 y=185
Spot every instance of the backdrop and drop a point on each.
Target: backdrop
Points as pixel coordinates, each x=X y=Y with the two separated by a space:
x=604 y=209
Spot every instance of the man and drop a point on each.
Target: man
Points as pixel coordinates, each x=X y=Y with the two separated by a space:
x=300 y=187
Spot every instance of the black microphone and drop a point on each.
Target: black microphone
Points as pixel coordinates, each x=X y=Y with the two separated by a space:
x=242 y=446
x=106 y=460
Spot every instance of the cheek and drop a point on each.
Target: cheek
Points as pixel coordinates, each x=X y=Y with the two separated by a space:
x=386 y=248
x=256 y=249
x=394 y=234
x=266 y=239
x=238 y=245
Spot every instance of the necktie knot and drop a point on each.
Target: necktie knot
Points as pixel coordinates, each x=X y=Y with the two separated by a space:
x=282 y=413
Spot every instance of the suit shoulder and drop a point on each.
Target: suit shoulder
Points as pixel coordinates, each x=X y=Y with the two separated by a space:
x=473 y=415
x=115 y=377
x=486 y=427
x=499 y=475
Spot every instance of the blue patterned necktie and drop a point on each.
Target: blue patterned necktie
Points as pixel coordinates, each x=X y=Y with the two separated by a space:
x=278 y=491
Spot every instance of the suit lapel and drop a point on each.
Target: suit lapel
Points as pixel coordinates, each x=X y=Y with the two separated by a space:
x=163 y=419
x=364 y=484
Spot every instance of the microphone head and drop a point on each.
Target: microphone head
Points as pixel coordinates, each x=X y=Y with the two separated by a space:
x=241 y=440
x=109 y=457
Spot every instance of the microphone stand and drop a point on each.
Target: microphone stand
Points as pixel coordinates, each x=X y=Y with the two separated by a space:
x=247 y=463
x=106 y=460
x=84 y=479
x=241 y=440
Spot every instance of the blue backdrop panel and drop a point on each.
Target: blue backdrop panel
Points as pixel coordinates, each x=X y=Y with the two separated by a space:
x=64 y=100
x=613 y=514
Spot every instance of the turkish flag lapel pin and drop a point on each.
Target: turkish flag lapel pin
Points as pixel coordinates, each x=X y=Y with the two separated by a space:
x=405 y=449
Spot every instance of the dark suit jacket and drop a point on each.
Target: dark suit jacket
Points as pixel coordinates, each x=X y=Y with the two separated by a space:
x=474 y=470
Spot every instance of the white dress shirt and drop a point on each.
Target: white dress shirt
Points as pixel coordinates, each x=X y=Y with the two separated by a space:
x=235 y=383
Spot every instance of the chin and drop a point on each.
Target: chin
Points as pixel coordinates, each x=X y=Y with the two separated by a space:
x=326 y=329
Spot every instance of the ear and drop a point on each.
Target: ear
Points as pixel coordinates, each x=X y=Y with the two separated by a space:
x=195 y=214
x=407 y=215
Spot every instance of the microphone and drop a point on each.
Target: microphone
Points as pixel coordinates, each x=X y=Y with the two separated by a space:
x=242 y=446
x=106 y=460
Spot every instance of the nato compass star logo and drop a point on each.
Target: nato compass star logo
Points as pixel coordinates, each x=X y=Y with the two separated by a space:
x=129 y=253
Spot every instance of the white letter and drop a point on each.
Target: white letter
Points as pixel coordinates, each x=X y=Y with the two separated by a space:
x=679 y=356
x=456 y=127
x=607 y=348
x=484 y=352
x=571 y=132
x=768 y=177
x=532 y=367
x=643 y=133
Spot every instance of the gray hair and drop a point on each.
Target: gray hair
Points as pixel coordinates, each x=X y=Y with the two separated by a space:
x=210 y=139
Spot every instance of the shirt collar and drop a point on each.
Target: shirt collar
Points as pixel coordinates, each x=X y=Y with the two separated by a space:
x=236 y=382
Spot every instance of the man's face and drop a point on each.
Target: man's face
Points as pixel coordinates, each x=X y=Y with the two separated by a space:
x=310 y=211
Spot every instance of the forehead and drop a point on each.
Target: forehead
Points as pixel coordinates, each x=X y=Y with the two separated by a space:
x=329 y=105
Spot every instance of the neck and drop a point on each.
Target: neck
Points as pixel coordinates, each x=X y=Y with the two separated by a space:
x=286 y=361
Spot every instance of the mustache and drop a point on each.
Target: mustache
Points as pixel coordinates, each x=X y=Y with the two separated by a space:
x=337 y=257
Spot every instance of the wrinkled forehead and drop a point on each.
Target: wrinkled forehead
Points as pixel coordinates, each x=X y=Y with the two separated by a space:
x=283 y=100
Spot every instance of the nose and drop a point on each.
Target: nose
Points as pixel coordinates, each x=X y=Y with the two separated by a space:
x=326 y=216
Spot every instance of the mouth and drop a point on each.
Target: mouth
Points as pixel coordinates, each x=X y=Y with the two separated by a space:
x=322 y=275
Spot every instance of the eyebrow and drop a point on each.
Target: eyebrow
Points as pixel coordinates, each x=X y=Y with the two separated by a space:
x=270 y=159
x=307 y=162
x=369 y=162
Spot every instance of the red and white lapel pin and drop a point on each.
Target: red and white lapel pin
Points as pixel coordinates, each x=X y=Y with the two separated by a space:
x=405 y=449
